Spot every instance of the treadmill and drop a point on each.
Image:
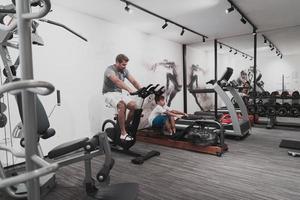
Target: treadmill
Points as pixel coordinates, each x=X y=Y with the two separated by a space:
x=240 y=128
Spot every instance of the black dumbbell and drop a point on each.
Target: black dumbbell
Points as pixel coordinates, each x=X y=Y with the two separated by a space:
x=265 y=94
x=295 y=110
x=271 y=111
x=275 y=94
x=296 y=94
x=285 y=94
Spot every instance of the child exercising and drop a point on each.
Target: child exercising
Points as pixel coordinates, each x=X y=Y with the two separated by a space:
x=163 y=117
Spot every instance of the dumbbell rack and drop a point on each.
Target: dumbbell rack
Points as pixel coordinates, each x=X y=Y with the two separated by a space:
x=279 y=110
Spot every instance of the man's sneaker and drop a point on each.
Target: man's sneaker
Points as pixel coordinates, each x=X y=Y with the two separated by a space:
x=126 y=137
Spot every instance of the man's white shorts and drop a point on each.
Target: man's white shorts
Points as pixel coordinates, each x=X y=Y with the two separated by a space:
x=113 y=98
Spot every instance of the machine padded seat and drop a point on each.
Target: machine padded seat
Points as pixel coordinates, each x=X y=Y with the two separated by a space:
x=207 y=114
x=67 y=147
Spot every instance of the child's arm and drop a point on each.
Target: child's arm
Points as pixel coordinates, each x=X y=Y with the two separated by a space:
x=178 y=112
x=170 y=113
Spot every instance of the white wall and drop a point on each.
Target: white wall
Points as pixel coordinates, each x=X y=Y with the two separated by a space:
x=273 y=68
x=76 y=68
x=204 y=57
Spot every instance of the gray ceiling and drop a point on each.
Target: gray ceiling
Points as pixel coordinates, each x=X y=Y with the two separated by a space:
x=204 y=16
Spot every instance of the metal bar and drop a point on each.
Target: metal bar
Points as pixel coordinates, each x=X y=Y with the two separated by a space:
x=254 y=71
x=28 y=85
x=184 y=78
x=28 y=98
x=39 y=161
x=216 y=76
x=235 y=49
x=165 y=19
x=282 y=82
x=242 y=13
x=35 y=174
x=15 y=153
x=63 y=161
x=272 y=44
x=63 y=26
x=42 y=12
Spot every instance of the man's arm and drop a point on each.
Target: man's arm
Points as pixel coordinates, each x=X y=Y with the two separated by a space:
x=134 y=82
x=120 y=84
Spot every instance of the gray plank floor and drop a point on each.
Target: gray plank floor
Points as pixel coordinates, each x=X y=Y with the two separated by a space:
x=253 y=168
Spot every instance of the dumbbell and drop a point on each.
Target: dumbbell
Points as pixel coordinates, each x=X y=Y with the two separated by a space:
x=270 y=108
x=271 y=111
x=265 y=94
x=275 y=94
x=296 y=94
x=295 y=110
x=285 y=94
x=282 y=111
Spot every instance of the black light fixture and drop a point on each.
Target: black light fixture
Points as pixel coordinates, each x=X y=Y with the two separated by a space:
x=165 y=25
x=220 y=46
x=246 y=56
x=243 y=55
x=243 y=20
x=281 y=56
x=230 y=50
x=270 y=45
x=127 y=9
x=167 y=21
x=235 y=52
x=229 y=10
x=265 y=40
x=203 y=39
x=251 y=58
x=182 y=32
x=272 y=48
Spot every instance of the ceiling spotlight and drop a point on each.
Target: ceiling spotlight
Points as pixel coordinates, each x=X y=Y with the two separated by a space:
x=246 y=57
x=229 y=10
x=230 y=50
x=281 y=56
x=203 y=39
x=182 y=32
x=272 y=48
x=165 y=25
x=265 y=40
x=243 y=20
x=127 y=9
x=220 y=46
x=277 y=51
x=243 y=55
x=235 y=52
x=270 y=45
x=251 y=58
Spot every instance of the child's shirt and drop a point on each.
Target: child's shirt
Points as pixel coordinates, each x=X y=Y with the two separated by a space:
x=158 y=110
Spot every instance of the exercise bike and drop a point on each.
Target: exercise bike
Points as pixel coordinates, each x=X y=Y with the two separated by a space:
x=114 y=132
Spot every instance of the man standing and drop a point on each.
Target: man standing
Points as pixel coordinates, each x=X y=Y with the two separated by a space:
x=113 y=85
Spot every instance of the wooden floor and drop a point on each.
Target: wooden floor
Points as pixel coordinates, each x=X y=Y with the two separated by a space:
x=254 y=169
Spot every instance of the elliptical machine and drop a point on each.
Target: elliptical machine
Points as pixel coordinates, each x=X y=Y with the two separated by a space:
x=114 y=132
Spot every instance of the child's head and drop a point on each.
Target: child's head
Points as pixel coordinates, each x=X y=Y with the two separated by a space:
x=160 y=100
